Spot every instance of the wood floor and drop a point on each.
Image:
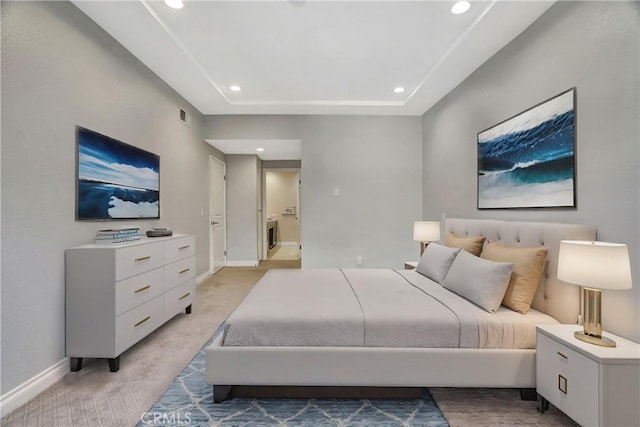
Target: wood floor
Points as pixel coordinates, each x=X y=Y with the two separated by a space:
x=96 y=397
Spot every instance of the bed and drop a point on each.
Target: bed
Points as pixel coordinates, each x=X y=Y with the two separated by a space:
x=337 y=327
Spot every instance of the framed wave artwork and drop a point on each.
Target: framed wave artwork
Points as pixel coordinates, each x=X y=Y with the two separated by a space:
x=528 y=161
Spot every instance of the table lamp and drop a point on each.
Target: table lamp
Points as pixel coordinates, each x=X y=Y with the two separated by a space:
x=425 y=232
x=595 y=266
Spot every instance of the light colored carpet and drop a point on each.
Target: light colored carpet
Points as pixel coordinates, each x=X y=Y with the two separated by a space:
x=96 y=397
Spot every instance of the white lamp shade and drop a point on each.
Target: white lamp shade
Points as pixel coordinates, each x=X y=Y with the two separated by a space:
x=426 y=231
x=598 y=265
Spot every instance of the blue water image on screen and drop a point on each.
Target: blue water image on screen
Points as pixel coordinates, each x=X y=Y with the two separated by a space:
x=531 y=164
x=115 y=180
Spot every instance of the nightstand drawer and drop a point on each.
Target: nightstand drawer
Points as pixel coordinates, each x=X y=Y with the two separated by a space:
x=567 y=379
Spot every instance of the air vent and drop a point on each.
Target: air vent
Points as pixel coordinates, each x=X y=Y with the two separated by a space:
x=184 y=117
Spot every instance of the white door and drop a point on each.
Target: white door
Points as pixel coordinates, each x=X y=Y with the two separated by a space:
x=217 y=210
x=298 y=213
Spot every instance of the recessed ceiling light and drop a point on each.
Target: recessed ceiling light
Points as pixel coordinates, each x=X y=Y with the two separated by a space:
x=260 y=149
x=460 y=7
x=399 y=89
x=174 y=4
x=235 y=88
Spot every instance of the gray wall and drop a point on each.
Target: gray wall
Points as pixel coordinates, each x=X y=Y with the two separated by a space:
x=595 y=47
x=59 y=70
x=374 y=161
x=242 y=208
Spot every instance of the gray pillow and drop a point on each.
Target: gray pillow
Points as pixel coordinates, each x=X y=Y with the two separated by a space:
x=436 y=261
x=481 y=281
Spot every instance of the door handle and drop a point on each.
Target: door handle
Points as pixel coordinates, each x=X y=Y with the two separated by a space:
x=214 y=223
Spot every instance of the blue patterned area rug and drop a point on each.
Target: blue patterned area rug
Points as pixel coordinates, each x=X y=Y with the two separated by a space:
x=189 y=402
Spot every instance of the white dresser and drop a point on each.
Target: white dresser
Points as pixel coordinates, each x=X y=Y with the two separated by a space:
x=594 y=385
x=118 y=294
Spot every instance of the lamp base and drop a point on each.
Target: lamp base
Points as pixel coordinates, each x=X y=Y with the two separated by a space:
x=602 y=341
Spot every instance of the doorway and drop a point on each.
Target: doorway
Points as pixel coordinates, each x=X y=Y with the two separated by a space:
x=281 y=212
x=217 y=215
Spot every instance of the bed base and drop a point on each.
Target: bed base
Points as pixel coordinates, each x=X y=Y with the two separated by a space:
x=373 y=367
x=224 y=392
x=221 y=393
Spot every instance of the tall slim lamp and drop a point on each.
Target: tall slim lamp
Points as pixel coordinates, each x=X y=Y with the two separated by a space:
x=425 y=232
x=595 y=266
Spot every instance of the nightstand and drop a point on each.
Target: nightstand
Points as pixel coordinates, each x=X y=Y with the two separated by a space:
x=410 y=265
x=593 y=385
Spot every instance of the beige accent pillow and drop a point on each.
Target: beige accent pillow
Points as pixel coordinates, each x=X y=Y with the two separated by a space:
x=473 y=245
x=528 y=267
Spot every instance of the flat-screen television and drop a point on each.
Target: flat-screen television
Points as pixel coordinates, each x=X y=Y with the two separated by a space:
x=115 y=180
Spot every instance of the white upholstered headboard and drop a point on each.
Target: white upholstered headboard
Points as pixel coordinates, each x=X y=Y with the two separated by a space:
x=554 y=297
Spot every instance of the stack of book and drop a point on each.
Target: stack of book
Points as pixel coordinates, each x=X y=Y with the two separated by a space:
x=117 y=235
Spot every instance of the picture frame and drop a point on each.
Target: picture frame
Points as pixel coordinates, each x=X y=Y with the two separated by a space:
x=115 y=180
x=528 y=160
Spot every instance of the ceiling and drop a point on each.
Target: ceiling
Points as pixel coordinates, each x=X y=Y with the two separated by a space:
x=313 y=57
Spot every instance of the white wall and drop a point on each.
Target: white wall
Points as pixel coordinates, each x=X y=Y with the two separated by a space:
x=374 y=161
x=59 y=70
x=593 y=46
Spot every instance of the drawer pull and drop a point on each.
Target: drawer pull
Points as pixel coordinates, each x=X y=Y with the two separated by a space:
x=144 y=258
x=144 y=288
x=184 y=271
x=142 y=321
x=562 y=384
x=562 y=355
x=184 y=247
x=184 y=296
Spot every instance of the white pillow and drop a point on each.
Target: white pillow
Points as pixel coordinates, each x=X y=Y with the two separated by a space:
x=436 y=261
x=481 y=281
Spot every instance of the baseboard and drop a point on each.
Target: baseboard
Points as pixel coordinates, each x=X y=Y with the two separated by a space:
x=243 y=263
x=204 y=276
x=32 y=387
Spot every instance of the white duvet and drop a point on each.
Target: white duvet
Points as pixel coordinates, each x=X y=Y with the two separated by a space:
x=370 y=308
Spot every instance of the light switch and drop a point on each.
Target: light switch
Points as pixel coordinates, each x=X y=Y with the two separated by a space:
x=336 y=192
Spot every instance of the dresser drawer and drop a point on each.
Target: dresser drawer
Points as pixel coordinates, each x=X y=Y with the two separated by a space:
x=567 y=379
x=138 y=289
x=176 y=249
x=137 y=323
x=179 y=298
x=179 y=272
x=137 y=259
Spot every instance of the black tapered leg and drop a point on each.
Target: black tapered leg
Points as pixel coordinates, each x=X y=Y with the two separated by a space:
x=220 y=393
x=114 y=364
x=528 y=394
x=188 y=309
x=76 y=364
x=543 y=404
